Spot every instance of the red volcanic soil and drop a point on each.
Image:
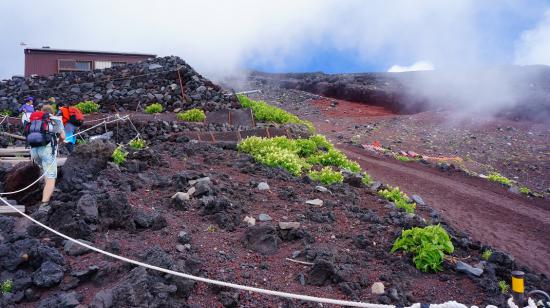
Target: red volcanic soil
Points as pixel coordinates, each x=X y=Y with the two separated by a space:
x=485 y=210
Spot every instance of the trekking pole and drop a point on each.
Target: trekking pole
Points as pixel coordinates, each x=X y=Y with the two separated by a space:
x=518 y=288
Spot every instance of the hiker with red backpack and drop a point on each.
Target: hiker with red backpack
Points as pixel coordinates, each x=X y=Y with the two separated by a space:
x=42 y=133
x=72 y=119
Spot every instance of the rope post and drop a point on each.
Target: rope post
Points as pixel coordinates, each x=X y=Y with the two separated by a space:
x=518 y=288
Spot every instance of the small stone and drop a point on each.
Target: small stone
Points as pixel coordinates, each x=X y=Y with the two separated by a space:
x=184 y=237
x=321 y=188
x=181 y=196
x=377 y=288
x=74 y=249
x=180 y=248
x=318 y=202
x=468 y=269
x=251 y=221
x=418 y=200
x=154 y=66
x=514 y=190
x=375 y=186
x=264 y=217
x=263 y=186
x=283 y=225
x=191 y=191
x=296 y=254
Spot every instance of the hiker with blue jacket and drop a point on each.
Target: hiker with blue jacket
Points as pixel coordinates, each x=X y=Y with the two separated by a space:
x=26 y=109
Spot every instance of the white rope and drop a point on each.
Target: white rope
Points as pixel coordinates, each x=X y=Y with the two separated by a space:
x=202 y=279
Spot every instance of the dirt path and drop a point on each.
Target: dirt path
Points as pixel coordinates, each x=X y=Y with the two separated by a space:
x=494 y=217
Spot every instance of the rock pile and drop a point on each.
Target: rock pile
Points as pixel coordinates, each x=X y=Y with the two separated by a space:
x=125 y=88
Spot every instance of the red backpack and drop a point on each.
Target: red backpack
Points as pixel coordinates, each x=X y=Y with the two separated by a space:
x=72 y=115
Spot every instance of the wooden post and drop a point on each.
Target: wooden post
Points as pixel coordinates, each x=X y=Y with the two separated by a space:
x=181 y=86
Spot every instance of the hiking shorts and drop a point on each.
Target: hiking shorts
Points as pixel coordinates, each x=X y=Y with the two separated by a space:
x=47 y=161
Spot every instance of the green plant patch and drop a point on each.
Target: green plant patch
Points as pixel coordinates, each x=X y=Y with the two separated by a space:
x=5 y=113
x=296 y=155
x=119 y=156
x=88 y=107
x=137 y=144
x=428 y=246
x=7 y=286
x=264 y=112
x=399 y=198
x=525 y=190
x=367 y=180
x=154 y=108
x=504 y=287
x=327 y=176
x=497 y=177
x=404 y=158
x=192 y=115
x=486 y=254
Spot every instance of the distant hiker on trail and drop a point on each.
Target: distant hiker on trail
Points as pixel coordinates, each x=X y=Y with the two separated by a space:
x=51 y=101
x=72 y=119
x=26 y=109
x=42 y=132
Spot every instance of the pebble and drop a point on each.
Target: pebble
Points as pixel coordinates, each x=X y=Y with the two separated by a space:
x=191 y=191
x=466 y=268
x=263 y=186
x=283 y=225
x=418 y=200
x=264 y=217
x=377 y=288
x=251 y=221
x=180 y=248
x=184 y=237
x=181 y=196
x=318 y=202
x=74 y=249
x=321 y=188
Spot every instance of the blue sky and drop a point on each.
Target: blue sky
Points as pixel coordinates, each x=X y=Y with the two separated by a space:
x=226 y=37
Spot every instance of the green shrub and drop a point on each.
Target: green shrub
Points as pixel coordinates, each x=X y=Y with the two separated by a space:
x=264 y=112
x=335 y=158
x=327 y=176
x=192 y=115
x=5 y=113
x=154 y=108
x=119 y=156
x=137 y=144
x=367 y=180
x=6 y=287
x=88 y=107
x=525 y=190
x=399 y=198
x=504 y=287
x=497 y=177
x=321 y=142
x=403 y=158
x=486 y=254
x=428 y=246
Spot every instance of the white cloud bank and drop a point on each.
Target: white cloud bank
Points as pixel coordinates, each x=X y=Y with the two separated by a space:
x=417 y=66
x=223 y=36
x=534 y=45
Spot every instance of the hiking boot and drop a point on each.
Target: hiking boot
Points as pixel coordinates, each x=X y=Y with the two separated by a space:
x=44 y=207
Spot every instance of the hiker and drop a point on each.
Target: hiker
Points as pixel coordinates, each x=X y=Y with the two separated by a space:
x=42 y=132
x=26 y=109
x=51 y=102
x=72 y=119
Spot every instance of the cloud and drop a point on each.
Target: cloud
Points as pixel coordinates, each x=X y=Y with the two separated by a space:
x=218 y=37
x=533 y=47
x=416 y=66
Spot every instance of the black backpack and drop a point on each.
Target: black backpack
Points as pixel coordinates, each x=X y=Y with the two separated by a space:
x=37 y=131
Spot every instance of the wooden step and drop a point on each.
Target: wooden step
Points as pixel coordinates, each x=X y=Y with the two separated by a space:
x=10 y=162
x=6 y=210
x=15 y=151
